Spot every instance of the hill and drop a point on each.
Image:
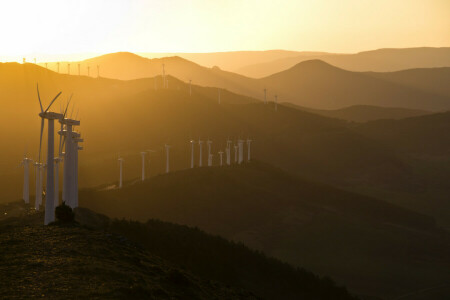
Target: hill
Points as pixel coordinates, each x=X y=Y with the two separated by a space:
x=381 y=60
x=316 y=84
x=363 y=113
x=313 y=83
x=112 y=259
x=311 y=225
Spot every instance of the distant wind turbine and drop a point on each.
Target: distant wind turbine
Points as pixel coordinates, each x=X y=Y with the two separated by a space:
x=228 y=151
x=265 y=96
x=192 y=153
x=79 y=69
x=38 y=193
x=200 y=145
x=167 y=157
x=209 y=142
x=120 y=171
x=57 y=65
x=143 y=165
x=26 y=179
x=248 y=148
x=276 y=102
x=221 y=158
x=236 y=153
x=190 y=87
x=241 y=151
x=68 y=69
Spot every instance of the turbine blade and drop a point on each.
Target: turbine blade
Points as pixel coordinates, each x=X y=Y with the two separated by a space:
x=39 y=97
x=56 y=97
x=40 y=139
x=67 y=107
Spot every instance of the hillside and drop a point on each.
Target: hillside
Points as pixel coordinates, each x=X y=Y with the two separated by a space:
x=112 y=259
x=363 y=113
x=316 y=84
x=381 y=60
x=312 y=83
x=315 y=226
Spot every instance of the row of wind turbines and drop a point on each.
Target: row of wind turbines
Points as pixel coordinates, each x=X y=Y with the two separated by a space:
x=69 y=142
x=238 y=156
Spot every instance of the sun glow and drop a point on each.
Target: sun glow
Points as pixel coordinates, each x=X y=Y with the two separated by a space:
x=84 y=28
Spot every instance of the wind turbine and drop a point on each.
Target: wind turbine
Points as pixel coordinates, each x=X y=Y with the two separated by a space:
x=248 y=148
x=221 y=158
x=68 y=69
x=26 y=179
x=167 y=157
x=38 y=192
x=143 y=165
x=210 y=158
x=265 y=96
x=98 y=71
x=228 y=151
x=164 y=75
x=79 y=70
x=192 y=153
x=190 y=87
x=236 y=153
x=57 y=161
x=241 y=151
x=276 y=102
x=46 y=65
x=57 y=64
x=50 y=193
x=200 y=144
x=209 y=142
x=88 y=70
x=120 y=171
x=75 y=171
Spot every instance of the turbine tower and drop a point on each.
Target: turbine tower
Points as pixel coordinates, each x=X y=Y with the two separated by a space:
x=164 y=76
x=26 y=179
x=57 y=159
x=50 y=193
x=241 y=151
x=248 y=149
x=190 y=87
x=209 y=142
x=68 y=69
x=75 y=168
x=120 y=171
x=221 y=158
x=167 y=157
x=57 y=65
x=192 y=153
x=265 y=96
x=38 y=193
x=228 y=151
x=200 y=145
x=276 y=102
x=210 y=158
x=236 y=153
x=143 y=165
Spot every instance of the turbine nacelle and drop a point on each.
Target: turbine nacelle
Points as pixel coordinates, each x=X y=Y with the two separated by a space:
x=69 y=122
x=50 y=115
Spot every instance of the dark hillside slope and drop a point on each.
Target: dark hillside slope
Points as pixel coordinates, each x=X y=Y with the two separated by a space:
x=154 y=260
x=315 y=226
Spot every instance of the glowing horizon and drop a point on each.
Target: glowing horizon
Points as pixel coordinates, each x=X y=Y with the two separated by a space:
x=82 y=29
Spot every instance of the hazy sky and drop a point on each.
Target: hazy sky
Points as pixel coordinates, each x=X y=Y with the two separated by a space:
x=100 y=26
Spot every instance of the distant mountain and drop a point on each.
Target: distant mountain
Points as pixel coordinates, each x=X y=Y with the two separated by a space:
x=313 y=84
x=311 y=225
x=364 y=113
x=381 y=60
x=111 y=259
x=316 y=84
x=233 y=60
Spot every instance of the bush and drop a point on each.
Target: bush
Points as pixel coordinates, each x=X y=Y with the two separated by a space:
x=64 y=213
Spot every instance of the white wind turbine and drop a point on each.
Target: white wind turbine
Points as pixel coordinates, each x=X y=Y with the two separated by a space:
x=167 y=147
x=210 y=159
x=236 y=153
x=120 y=171
x=57 y=161
x=228 y=151
x=26 y=179
x=241 y=150
x=38 y=193
x=209 y=142
x=143 y=153
x=75 y=169
x=59 y=158
x=200 y=145
x=192 y=153
x=221 y=157
x=248 y=148
x=50 y=193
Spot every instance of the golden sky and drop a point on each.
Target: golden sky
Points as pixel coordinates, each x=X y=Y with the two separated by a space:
x=34 y=28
